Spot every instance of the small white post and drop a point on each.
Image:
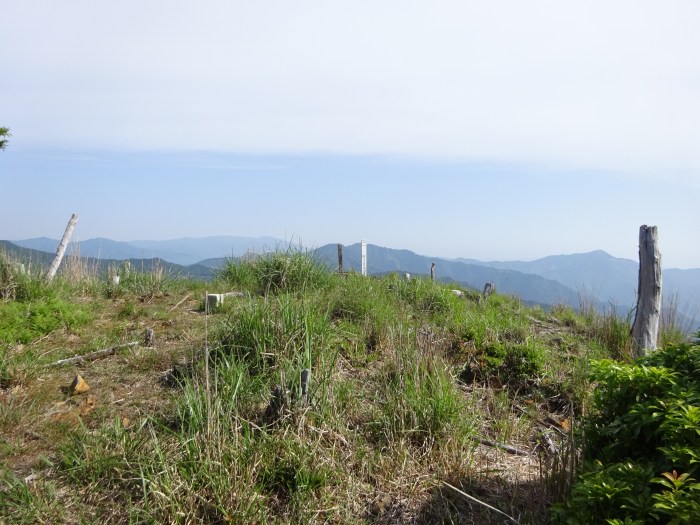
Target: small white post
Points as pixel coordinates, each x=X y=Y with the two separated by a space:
x=364 y=257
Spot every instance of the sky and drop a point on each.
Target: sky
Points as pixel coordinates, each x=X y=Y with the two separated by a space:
x=488 y=130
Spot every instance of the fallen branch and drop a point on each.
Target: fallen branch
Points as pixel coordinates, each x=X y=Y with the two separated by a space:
x=93 y=355
x=472 y=498
x=183 y=300
x=507 y=448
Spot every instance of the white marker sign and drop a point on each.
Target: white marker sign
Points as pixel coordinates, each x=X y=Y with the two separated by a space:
x=364 y=257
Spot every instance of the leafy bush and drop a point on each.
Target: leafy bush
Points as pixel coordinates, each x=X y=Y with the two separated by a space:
x=643 y=442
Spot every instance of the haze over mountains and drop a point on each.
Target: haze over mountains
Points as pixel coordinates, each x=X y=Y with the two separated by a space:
x=558 y=279
x=184 y=251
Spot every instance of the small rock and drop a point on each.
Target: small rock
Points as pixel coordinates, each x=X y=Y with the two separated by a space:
x=381 y=504
x=31 y=478
x=88 y=405
x=78 y=386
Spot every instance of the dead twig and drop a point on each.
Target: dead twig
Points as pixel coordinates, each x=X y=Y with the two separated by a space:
x=182 y=301
x=475 y=500
x=93 y=355
x=507 y=448
x=547 y=422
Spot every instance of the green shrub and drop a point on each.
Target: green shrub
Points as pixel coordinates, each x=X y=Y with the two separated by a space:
x=642 y=442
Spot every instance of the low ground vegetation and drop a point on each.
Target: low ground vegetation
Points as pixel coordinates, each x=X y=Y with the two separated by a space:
x=423 y=405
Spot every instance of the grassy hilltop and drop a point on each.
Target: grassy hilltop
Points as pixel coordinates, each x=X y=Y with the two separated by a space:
x=425 y=403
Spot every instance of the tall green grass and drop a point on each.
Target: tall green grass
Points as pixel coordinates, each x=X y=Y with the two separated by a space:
x=418 y=399
x=290 y=271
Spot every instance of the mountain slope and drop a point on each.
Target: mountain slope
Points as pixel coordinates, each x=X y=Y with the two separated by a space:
x=33 y=257
x=611 y=279
x=194 y=250
x=184 y=251
x=595 y=273
x=101 y=248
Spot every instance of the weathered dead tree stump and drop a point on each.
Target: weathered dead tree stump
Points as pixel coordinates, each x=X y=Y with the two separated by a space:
x=150 y=338
x=340 y=259
x=278 y=405
x=645 y=329
x=432 y=272
x=488 y=290
x=305 y=381
x=62 y=248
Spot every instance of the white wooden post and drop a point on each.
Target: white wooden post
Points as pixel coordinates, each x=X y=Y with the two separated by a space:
x=364 y=257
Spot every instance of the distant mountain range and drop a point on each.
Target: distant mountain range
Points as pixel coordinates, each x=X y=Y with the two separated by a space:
x=185 y=251
x=33 y=258
x=597 y=278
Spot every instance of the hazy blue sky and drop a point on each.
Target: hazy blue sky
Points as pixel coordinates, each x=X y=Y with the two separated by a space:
x=493 y=130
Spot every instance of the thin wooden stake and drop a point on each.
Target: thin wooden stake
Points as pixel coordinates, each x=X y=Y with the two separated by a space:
x=206 y=364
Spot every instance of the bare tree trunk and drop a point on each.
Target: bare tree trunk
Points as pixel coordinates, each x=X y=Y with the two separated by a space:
x=432 y=271
x=62 y=248
x=645 y=330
